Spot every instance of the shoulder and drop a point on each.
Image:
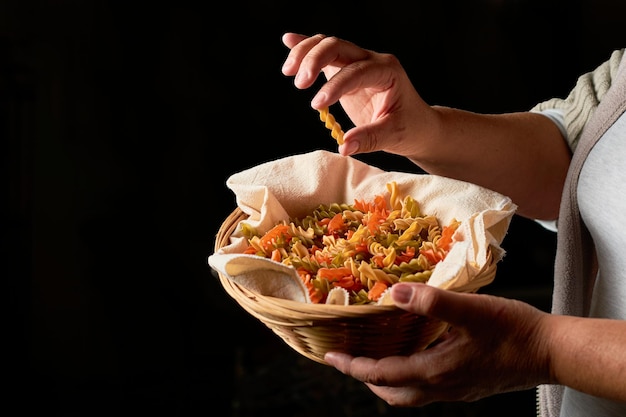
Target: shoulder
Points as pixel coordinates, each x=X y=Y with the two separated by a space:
x=589 y=90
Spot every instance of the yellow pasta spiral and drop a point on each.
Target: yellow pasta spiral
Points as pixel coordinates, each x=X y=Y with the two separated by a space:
x=332 y=125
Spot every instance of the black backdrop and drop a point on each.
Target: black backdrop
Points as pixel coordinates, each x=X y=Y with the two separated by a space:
x=121 y=122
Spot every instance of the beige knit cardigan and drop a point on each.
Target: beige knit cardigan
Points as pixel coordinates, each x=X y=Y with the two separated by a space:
x=595 y=103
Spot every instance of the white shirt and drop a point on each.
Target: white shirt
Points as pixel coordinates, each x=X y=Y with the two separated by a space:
x=602 y=203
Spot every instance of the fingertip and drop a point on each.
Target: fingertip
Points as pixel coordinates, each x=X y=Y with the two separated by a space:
x=291 y=39
x=336 y=358
x=401 y=293
x=286 y=39
x=287 y=68
x=349 y=147
x=415 y=297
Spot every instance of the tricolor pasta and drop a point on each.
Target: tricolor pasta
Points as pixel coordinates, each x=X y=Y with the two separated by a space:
x=364 y=247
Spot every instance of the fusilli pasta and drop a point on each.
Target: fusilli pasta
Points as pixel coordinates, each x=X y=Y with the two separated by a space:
x=357 y=246
x=335 y=128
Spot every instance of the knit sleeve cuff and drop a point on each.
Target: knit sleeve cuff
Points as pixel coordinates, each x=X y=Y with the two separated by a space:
x=584 y=98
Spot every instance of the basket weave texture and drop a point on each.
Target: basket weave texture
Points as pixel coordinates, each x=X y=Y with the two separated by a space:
x=314 y=329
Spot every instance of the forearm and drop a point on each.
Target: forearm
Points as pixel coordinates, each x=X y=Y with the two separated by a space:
x=588 y=355
x=522 y=155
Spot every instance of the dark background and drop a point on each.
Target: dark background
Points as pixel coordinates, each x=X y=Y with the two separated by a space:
x=120 y=122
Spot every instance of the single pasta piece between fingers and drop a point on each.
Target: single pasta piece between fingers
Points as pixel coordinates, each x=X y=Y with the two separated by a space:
x=332 y=125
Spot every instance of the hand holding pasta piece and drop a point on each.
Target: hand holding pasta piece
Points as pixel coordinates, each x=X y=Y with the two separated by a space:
x=332 y=125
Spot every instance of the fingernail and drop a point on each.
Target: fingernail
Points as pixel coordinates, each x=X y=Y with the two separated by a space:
x=319 y=98
x=301 y=77
x=329 y=357
x=351 y=147
x=402 y=293
x=287 y=64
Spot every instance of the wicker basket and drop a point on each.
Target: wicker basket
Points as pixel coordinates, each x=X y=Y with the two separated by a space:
x=314 y=329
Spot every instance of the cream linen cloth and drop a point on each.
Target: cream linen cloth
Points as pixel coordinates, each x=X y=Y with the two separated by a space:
x=293 y=186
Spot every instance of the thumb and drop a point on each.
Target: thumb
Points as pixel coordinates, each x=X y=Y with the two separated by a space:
x=364 y=138
x=425 y=300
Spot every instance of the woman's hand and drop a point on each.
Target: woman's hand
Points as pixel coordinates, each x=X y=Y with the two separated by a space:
x=373 y=89
x=494 y=345
x=522 y=155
